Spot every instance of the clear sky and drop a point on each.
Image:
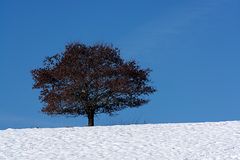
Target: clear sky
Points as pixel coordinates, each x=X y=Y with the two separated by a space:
x=193 y=48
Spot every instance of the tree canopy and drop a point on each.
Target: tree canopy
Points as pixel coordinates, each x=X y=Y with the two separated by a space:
x=89 y=80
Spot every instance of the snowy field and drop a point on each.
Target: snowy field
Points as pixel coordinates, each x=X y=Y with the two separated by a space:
x=191 y=141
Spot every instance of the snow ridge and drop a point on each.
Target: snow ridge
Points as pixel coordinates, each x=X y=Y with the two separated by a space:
x=190 y=141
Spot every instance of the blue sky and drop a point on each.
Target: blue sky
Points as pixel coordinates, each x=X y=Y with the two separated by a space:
x=193 y=48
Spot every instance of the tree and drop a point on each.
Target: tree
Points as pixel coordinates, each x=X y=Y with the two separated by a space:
x=89 y=80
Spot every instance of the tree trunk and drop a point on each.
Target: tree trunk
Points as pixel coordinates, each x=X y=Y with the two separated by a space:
x=91 y=119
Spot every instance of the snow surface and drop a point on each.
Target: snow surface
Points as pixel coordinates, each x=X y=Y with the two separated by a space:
x=190 y=141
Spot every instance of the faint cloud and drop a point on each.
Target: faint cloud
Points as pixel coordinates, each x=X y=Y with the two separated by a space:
x=166 y=28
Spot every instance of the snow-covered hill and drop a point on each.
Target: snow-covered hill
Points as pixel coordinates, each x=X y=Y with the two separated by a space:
x=192 y=141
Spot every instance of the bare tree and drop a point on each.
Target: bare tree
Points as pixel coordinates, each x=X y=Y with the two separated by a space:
x=89 y=80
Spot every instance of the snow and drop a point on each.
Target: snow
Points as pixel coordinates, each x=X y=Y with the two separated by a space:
x=190 y=141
